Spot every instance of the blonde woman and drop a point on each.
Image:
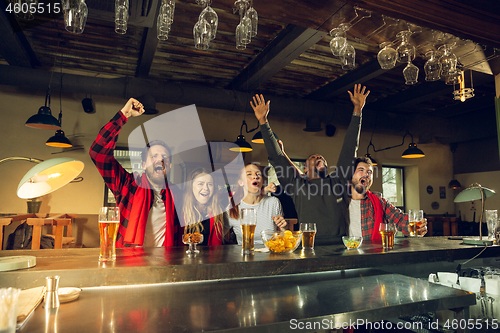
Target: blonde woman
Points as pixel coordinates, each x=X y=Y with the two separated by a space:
x=201 y=211
x=250 y=194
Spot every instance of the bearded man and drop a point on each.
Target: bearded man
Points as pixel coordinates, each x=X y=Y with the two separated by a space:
x=147 y=213
x=367 y=210
x=319 y=197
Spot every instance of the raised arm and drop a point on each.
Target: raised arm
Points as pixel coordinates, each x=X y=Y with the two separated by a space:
x=276 y=156
x=102 y=150
x=351 y=139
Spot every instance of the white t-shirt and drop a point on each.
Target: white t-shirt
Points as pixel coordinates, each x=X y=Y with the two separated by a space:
x=266 y=209
x=154 y=235
x=355 y=218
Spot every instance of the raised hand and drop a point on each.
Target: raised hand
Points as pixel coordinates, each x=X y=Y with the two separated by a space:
x=132 y=108
x=358 y=98
x=260 y=108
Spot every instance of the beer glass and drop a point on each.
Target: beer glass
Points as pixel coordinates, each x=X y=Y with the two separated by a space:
x=248 y=220
x=415 y=217
x=109 y=221
x=121 y=16
x=9 y=299
x=491 y=222
x=308 y=235
x=387 y=232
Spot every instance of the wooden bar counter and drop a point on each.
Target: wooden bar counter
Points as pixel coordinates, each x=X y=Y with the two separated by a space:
x=81 y=268
x=164 y=290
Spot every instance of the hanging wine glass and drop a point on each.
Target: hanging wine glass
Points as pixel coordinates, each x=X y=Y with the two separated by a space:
x=432 y=67
x=211 y=17
x=347 y=56
x=339 y=39
x=254 y=17
x=406 y=51
x=201 y=34
x=240 y=34
x=448 y=60
x=247 y=23
x=387 y=56
x=410 y=72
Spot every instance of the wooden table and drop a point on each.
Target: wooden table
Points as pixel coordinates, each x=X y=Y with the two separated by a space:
x=58 y=221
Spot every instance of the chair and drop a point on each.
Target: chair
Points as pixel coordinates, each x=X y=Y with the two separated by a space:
x=59 y=221
x=291 y=224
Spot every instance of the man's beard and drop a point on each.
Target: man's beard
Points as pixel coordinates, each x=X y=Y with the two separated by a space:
x=158 y=180
x=360 y=188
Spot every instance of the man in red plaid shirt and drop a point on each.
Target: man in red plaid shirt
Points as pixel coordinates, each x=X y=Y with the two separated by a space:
x=146 y=202
x=368 y=209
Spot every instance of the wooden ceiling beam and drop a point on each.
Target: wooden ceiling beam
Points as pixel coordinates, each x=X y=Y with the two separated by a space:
x=290 y=43
x=361 y=74
x=16 y=49
x=148 y=48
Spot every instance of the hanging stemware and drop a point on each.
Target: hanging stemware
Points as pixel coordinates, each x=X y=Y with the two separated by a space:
x=240 y=35
x=448 y=61
x=211 y=17
x=165 y=19
x=339 y=38
x=406 y=51
x=254 y=17
x=201 y=34
x=432 y=67
x=348 y=56
x=410 y=73
x=387 y=56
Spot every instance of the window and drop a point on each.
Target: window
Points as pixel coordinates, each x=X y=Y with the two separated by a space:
x=122 y=155
x=392 y=185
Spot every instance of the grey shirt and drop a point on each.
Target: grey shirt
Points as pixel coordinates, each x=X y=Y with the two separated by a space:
x=323 y=201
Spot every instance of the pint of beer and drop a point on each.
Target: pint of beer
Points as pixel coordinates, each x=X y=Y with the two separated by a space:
x=387 y=232
x=308 y=235
x=415 y=217
x=109 y=221
x=248 y=221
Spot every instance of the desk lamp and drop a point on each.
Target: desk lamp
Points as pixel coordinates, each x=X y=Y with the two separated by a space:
x=47 y=176
x=471 y=193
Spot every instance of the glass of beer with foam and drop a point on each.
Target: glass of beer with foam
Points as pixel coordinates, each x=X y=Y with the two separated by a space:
x=248 y=223
x=109 y=221
x=308 y=235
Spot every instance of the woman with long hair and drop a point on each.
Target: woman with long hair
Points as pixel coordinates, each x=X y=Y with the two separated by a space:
x=250 y=194
x=201 y=211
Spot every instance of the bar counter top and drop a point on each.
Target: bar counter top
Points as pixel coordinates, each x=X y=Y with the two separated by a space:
x=81 y=267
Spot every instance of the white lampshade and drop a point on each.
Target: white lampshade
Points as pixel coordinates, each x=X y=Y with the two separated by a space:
x=48 y=176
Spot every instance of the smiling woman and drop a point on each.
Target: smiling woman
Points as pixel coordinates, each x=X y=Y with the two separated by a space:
x=201 y=211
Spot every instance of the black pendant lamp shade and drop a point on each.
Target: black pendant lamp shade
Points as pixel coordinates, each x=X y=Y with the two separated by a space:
x=59 y=140
x=44 y=118
x=257 y=138
x=413 y=151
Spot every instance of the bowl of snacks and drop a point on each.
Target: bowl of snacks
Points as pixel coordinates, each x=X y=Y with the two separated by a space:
x=192 y=240
x=352 y=242
x=281 y=241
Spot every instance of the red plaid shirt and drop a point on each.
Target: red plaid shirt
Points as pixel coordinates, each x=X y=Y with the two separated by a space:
x=391 y=214
x=120 y=182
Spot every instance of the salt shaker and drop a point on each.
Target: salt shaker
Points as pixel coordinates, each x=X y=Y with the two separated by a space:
x=51 y=295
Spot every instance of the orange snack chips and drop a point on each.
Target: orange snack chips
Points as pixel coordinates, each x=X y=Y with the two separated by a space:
x=282 y=243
